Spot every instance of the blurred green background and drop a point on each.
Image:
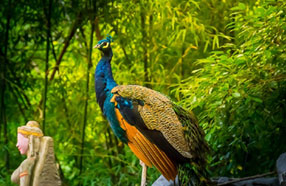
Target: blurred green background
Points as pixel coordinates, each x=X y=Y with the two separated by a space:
x=223 y=59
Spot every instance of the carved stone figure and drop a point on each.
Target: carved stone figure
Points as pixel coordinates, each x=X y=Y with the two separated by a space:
x=39 y=169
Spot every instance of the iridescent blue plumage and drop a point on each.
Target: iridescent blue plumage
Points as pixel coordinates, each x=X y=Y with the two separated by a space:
x=104 y=83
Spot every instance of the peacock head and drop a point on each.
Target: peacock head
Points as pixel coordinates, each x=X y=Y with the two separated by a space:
x=104 y=45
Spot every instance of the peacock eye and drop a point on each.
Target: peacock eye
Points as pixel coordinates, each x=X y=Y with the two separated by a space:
x=104 y=44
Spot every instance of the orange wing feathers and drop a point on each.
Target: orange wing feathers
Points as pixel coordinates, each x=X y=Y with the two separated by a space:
x=147 y=152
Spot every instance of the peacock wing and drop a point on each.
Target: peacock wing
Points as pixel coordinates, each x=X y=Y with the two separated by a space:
x=152 y=113
x=145 y=150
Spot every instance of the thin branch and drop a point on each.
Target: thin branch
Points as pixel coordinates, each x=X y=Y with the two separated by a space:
x=182 y=62
x=117 y=32
x=108 y=147
x=76 y=24
x=18 y=87
x=110 y=141
x=66 y=110
x=53 y=49
x=62 y=176
x=18 y=103
x=97 y=30
x=125 y=54
x=111 y=144
x=84 y=39
x=247 y=178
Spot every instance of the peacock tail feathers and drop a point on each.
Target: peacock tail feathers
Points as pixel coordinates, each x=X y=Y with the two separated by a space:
x=193 y=172
x=192 y=133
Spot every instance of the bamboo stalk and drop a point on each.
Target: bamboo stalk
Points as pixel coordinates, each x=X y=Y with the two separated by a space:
x=145 y=50
x=77 y=22
x=86 y=93
x=150 y=46
x=111 y=144
x=47 y=63
x=108 y=147
x=53 y=49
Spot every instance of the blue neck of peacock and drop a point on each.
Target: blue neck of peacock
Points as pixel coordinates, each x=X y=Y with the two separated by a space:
x=104 y=81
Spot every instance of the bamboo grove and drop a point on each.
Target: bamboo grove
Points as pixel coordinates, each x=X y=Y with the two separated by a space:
x=225 y=60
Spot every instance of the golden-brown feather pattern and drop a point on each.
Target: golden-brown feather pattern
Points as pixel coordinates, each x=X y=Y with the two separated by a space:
x=157 y=113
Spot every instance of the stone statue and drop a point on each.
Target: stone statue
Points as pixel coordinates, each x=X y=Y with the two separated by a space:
x=39 y=169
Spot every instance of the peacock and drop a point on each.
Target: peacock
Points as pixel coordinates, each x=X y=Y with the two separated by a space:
x=159 y=132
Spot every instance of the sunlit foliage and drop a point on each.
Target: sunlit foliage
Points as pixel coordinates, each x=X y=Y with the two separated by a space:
x=225 y=60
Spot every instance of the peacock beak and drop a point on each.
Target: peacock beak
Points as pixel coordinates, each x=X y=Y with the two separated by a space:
x=97 y=46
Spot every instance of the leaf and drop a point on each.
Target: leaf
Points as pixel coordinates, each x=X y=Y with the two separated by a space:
x=239 y=167
x=256 y=99
x=236 y=94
